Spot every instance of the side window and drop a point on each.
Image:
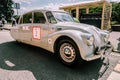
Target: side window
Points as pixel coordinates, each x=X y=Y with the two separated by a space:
x=50 y=17
x=39 y=17
x=27 y=18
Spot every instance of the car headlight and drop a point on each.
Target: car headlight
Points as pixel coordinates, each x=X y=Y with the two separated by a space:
x=90 y=40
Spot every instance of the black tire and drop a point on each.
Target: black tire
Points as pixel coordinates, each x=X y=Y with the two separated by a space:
x=1 y=29
x=68 y=52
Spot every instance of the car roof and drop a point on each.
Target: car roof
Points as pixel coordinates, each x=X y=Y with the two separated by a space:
x=45 y=10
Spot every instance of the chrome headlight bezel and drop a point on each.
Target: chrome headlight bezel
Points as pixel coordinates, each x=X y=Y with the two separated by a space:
x=88 y=39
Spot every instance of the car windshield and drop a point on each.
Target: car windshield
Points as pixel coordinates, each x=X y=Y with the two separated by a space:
x=63 y=17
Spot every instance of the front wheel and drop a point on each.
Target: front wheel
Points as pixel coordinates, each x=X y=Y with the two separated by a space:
x=68 y=52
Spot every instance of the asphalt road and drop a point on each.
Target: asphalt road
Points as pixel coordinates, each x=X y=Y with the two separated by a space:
x=43 y=65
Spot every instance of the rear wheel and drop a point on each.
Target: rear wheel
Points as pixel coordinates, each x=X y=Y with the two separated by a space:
x=68 y=52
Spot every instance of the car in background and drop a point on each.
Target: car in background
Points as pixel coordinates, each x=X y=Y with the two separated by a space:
x=2 y=22
x=1 y=25
x=57 y=32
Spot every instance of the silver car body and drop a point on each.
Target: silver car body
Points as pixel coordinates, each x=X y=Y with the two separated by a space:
x=91 y=41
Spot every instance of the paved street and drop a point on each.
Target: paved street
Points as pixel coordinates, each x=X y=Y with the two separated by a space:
x=24 y=62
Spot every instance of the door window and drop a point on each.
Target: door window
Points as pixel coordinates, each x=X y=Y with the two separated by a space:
x=50 y=17
x=27 y=18
x=39 y=17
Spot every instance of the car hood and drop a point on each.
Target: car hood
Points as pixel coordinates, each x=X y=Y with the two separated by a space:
x=85 y=28
x=76 y=26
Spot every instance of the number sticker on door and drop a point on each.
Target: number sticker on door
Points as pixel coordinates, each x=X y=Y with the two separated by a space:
x=36 y=32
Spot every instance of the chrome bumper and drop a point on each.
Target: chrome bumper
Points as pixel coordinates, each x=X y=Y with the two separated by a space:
x=101 y=52
x=105 y=50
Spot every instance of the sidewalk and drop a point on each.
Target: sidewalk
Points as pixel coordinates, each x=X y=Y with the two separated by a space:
x=115 y=41
x=7 y=27
x=115 y=75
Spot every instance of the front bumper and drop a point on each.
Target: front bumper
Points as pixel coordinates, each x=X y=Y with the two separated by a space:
x=101 y=52
x=105 y=49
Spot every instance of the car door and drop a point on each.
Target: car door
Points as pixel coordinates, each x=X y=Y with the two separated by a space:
x=40 y=29
x=25 y=27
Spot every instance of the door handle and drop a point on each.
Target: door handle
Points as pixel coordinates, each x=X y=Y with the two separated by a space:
x=59 y=29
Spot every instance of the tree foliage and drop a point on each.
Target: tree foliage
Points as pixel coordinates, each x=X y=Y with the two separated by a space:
x=116 y=12
x=97 y=9
x=6 y=8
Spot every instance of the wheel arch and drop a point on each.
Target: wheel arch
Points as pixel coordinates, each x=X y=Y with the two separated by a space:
x=62 y=38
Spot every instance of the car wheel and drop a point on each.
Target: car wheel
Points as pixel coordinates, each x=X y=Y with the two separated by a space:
x=68 y=52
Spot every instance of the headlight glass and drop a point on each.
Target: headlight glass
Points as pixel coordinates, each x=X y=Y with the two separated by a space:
x=90 y=40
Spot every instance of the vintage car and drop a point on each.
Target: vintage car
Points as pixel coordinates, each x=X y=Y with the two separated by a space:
x=57 y=32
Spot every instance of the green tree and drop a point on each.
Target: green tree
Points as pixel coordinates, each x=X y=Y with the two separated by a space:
x=6 y=8
x=116 y=12
x=97 y=9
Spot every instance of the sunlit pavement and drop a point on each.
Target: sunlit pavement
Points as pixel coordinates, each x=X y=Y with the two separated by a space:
x=16 y=75
x=24 y=62
x=115 y=74
x=115 y=40
x=12 y=74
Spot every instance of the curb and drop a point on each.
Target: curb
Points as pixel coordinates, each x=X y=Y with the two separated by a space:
x=6 y=29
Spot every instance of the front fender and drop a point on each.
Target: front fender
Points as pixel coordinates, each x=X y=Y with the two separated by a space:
x=76 y=36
